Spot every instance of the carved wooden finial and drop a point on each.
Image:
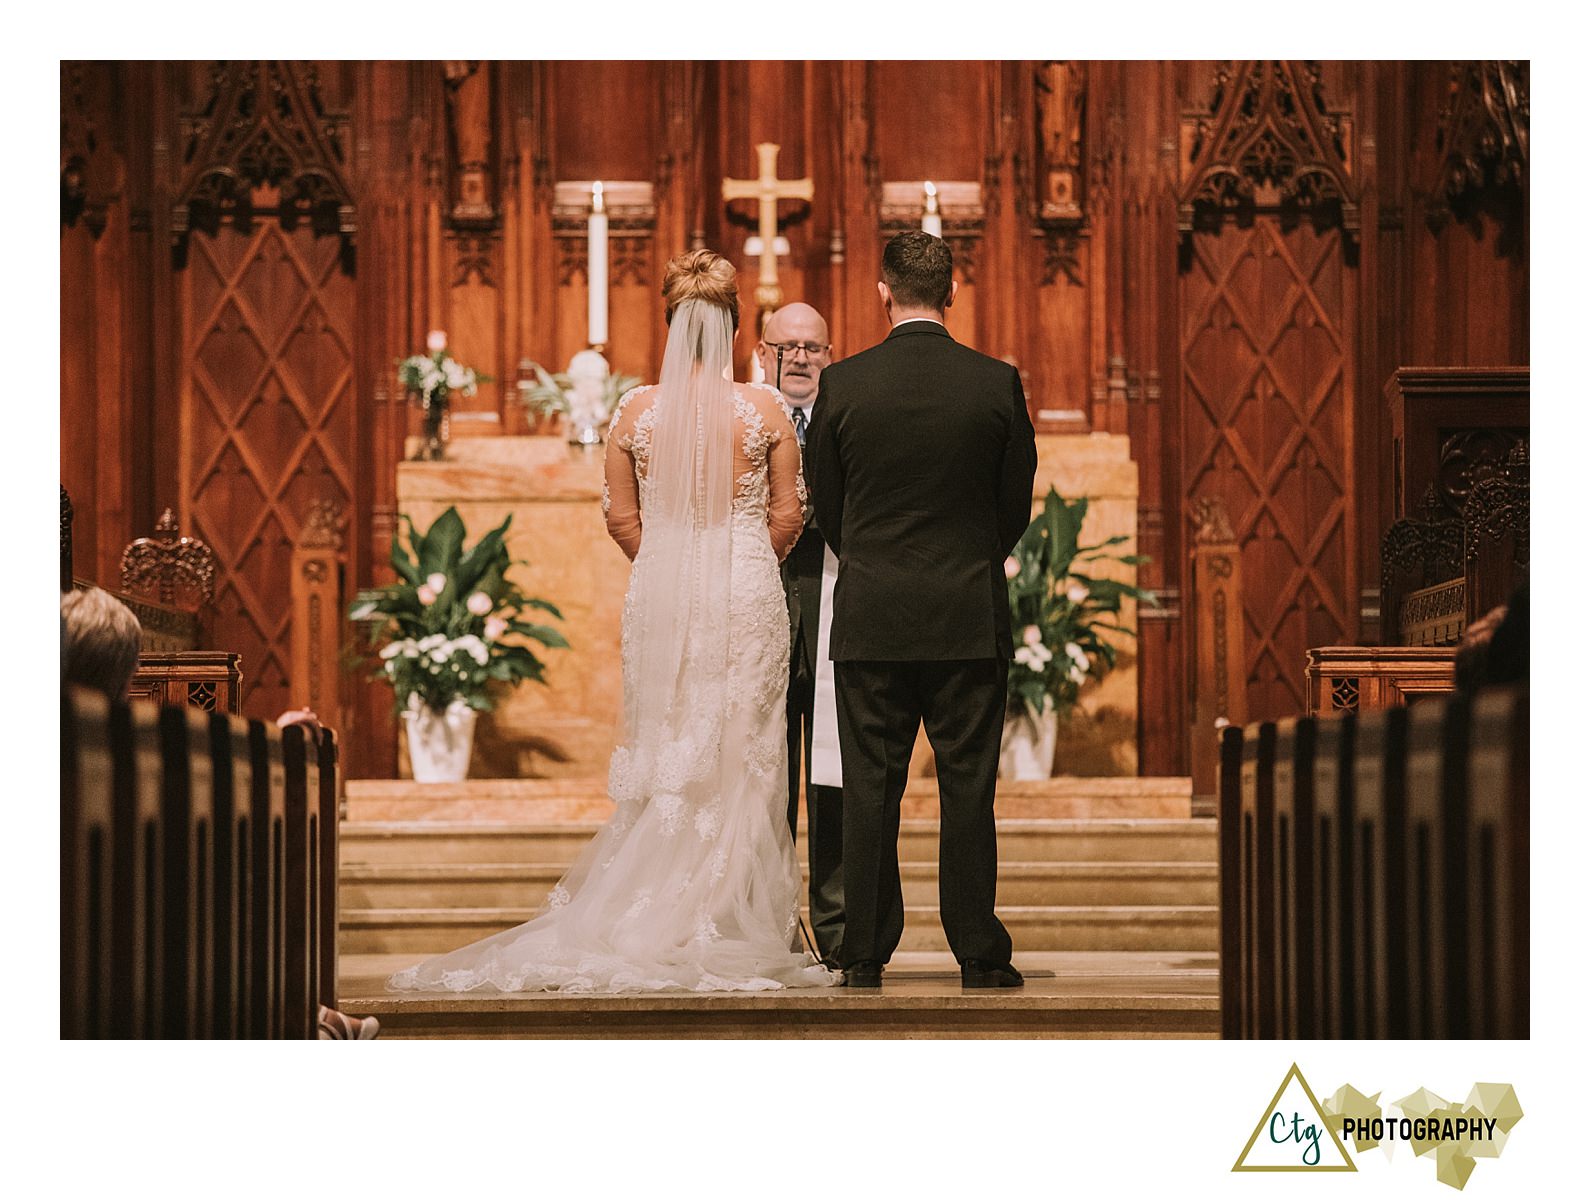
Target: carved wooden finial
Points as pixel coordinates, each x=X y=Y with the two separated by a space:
x=323 y=526
x=1212 y=524
x=167 y=566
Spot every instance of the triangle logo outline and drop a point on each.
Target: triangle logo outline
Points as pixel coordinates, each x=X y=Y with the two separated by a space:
x=1347 y=1163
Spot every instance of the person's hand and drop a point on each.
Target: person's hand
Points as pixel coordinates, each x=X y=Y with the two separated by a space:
x=299 y=716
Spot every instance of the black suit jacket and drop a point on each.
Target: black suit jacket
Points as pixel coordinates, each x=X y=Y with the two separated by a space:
x=921 y=458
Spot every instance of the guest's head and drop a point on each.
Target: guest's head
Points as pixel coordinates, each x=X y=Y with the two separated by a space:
x=918 y=272
x=701 y=275
x=100 y=639
x=800 y=331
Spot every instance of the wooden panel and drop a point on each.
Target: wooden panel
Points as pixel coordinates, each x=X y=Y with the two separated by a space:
x=1267 y=428
x=1434 y=854
x=269 y=425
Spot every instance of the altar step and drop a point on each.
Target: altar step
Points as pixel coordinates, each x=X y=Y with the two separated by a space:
x=584 y=798
x=1081 y=840
x=422 y=931
x=1085 y=994
x=516 y=885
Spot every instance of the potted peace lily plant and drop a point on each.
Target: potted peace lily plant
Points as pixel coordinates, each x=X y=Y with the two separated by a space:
x=452 y=624
x=1059 y=614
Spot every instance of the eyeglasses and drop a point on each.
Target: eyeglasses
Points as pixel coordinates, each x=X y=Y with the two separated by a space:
x=812 y=349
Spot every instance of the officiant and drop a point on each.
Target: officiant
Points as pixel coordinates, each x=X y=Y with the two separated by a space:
x=794 y=350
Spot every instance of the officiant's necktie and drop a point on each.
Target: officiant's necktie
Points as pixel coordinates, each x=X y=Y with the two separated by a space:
x=800 y=426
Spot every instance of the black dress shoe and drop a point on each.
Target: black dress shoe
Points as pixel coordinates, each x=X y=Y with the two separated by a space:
x=978 y=974
x=866 y=974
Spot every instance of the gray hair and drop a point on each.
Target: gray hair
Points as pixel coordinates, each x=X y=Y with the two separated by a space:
x=100 y=639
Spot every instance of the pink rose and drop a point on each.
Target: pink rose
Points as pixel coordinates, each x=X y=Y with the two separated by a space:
x=495 y=628
x=437 y=582
x=436 y=341
x=426 y=596
x=479 y=603
x=1032 y=635
x=1012 y=567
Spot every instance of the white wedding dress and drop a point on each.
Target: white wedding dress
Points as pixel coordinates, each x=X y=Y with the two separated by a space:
x=693 y=882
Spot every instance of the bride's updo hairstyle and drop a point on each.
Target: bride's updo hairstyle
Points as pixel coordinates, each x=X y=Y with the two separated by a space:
x=701 y=275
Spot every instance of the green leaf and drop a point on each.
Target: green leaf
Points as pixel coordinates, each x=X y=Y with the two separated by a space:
x=544 y=606
x=439 y=550
x=401 y=562
x=544 y=634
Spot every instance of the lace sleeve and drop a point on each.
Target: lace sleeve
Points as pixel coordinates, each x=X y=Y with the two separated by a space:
x=620 y=488
x=786 y=503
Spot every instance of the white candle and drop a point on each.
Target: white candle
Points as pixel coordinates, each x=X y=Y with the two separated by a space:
x=931 y=221
x=596 y=269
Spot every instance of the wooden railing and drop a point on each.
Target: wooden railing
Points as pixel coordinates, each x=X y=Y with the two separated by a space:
x=1374 y=872
x=198 y=873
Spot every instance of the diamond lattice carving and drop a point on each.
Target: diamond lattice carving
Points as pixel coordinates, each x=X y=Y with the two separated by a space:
x=1266 y=426
x=267 y=420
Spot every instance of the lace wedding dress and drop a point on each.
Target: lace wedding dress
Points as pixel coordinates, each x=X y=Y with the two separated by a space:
x=693 y=882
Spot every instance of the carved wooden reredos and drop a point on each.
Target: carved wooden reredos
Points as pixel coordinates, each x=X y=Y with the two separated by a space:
x=1222 y=262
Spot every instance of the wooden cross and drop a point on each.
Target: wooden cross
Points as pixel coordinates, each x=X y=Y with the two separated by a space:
x=767 y=190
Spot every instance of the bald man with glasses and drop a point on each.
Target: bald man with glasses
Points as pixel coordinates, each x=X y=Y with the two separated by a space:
x=794 y=350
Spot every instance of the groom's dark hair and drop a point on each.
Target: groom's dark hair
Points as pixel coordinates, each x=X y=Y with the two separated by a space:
x=917 y=267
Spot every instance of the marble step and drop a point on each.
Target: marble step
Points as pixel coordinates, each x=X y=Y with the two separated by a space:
x=1085 y=840
x=585 y=798
x=509 y=885
x=424 y=931
x=1086 y=994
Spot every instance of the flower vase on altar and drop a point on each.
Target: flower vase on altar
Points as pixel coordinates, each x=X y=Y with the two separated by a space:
x=1027 y=750
x=439 y=742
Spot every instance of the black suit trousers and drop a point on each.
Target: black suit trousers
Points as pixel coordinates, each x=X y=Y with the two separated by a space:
x=961 y=703
x=825 y=833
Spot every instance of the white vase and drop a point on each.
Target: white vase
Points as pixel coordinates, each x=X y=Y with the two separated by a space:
x=440 y=742
x=1027 y=751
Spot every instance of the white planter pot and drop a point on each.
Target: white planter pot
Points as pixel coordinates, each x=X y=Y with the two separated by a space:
x=440 y=742
x=1027 y=751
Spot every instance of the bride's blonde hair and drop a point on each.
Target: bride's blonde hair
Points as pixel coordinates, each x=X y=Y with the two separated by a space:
x=701 y=275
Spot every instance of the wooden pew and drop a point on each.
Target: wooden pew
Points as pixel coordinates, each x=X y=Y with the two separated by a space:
x=198 y=873
x=187 y=812
x=1374 y=872
x=327 y=894
x=1256 y=880
x=1228 y=830
x=1334 y=945
x=233 y=922
x=87 y=822
x=300 y=975
x=1496 y=870
x=1380 y=943
x=1295 y=898
x=268 y=777
x=1435 y=851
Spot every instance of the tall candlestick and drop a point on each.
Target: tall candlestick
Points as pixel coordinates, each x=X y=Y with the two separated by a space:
x=931 y=221
x=596 y=269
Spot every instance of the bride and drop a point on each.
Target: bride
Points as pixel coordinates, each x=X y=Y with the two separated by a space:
x=693 y=882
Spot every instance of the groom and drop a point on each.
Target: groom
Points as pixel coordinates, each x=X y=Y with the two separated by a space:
x=921 y=460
